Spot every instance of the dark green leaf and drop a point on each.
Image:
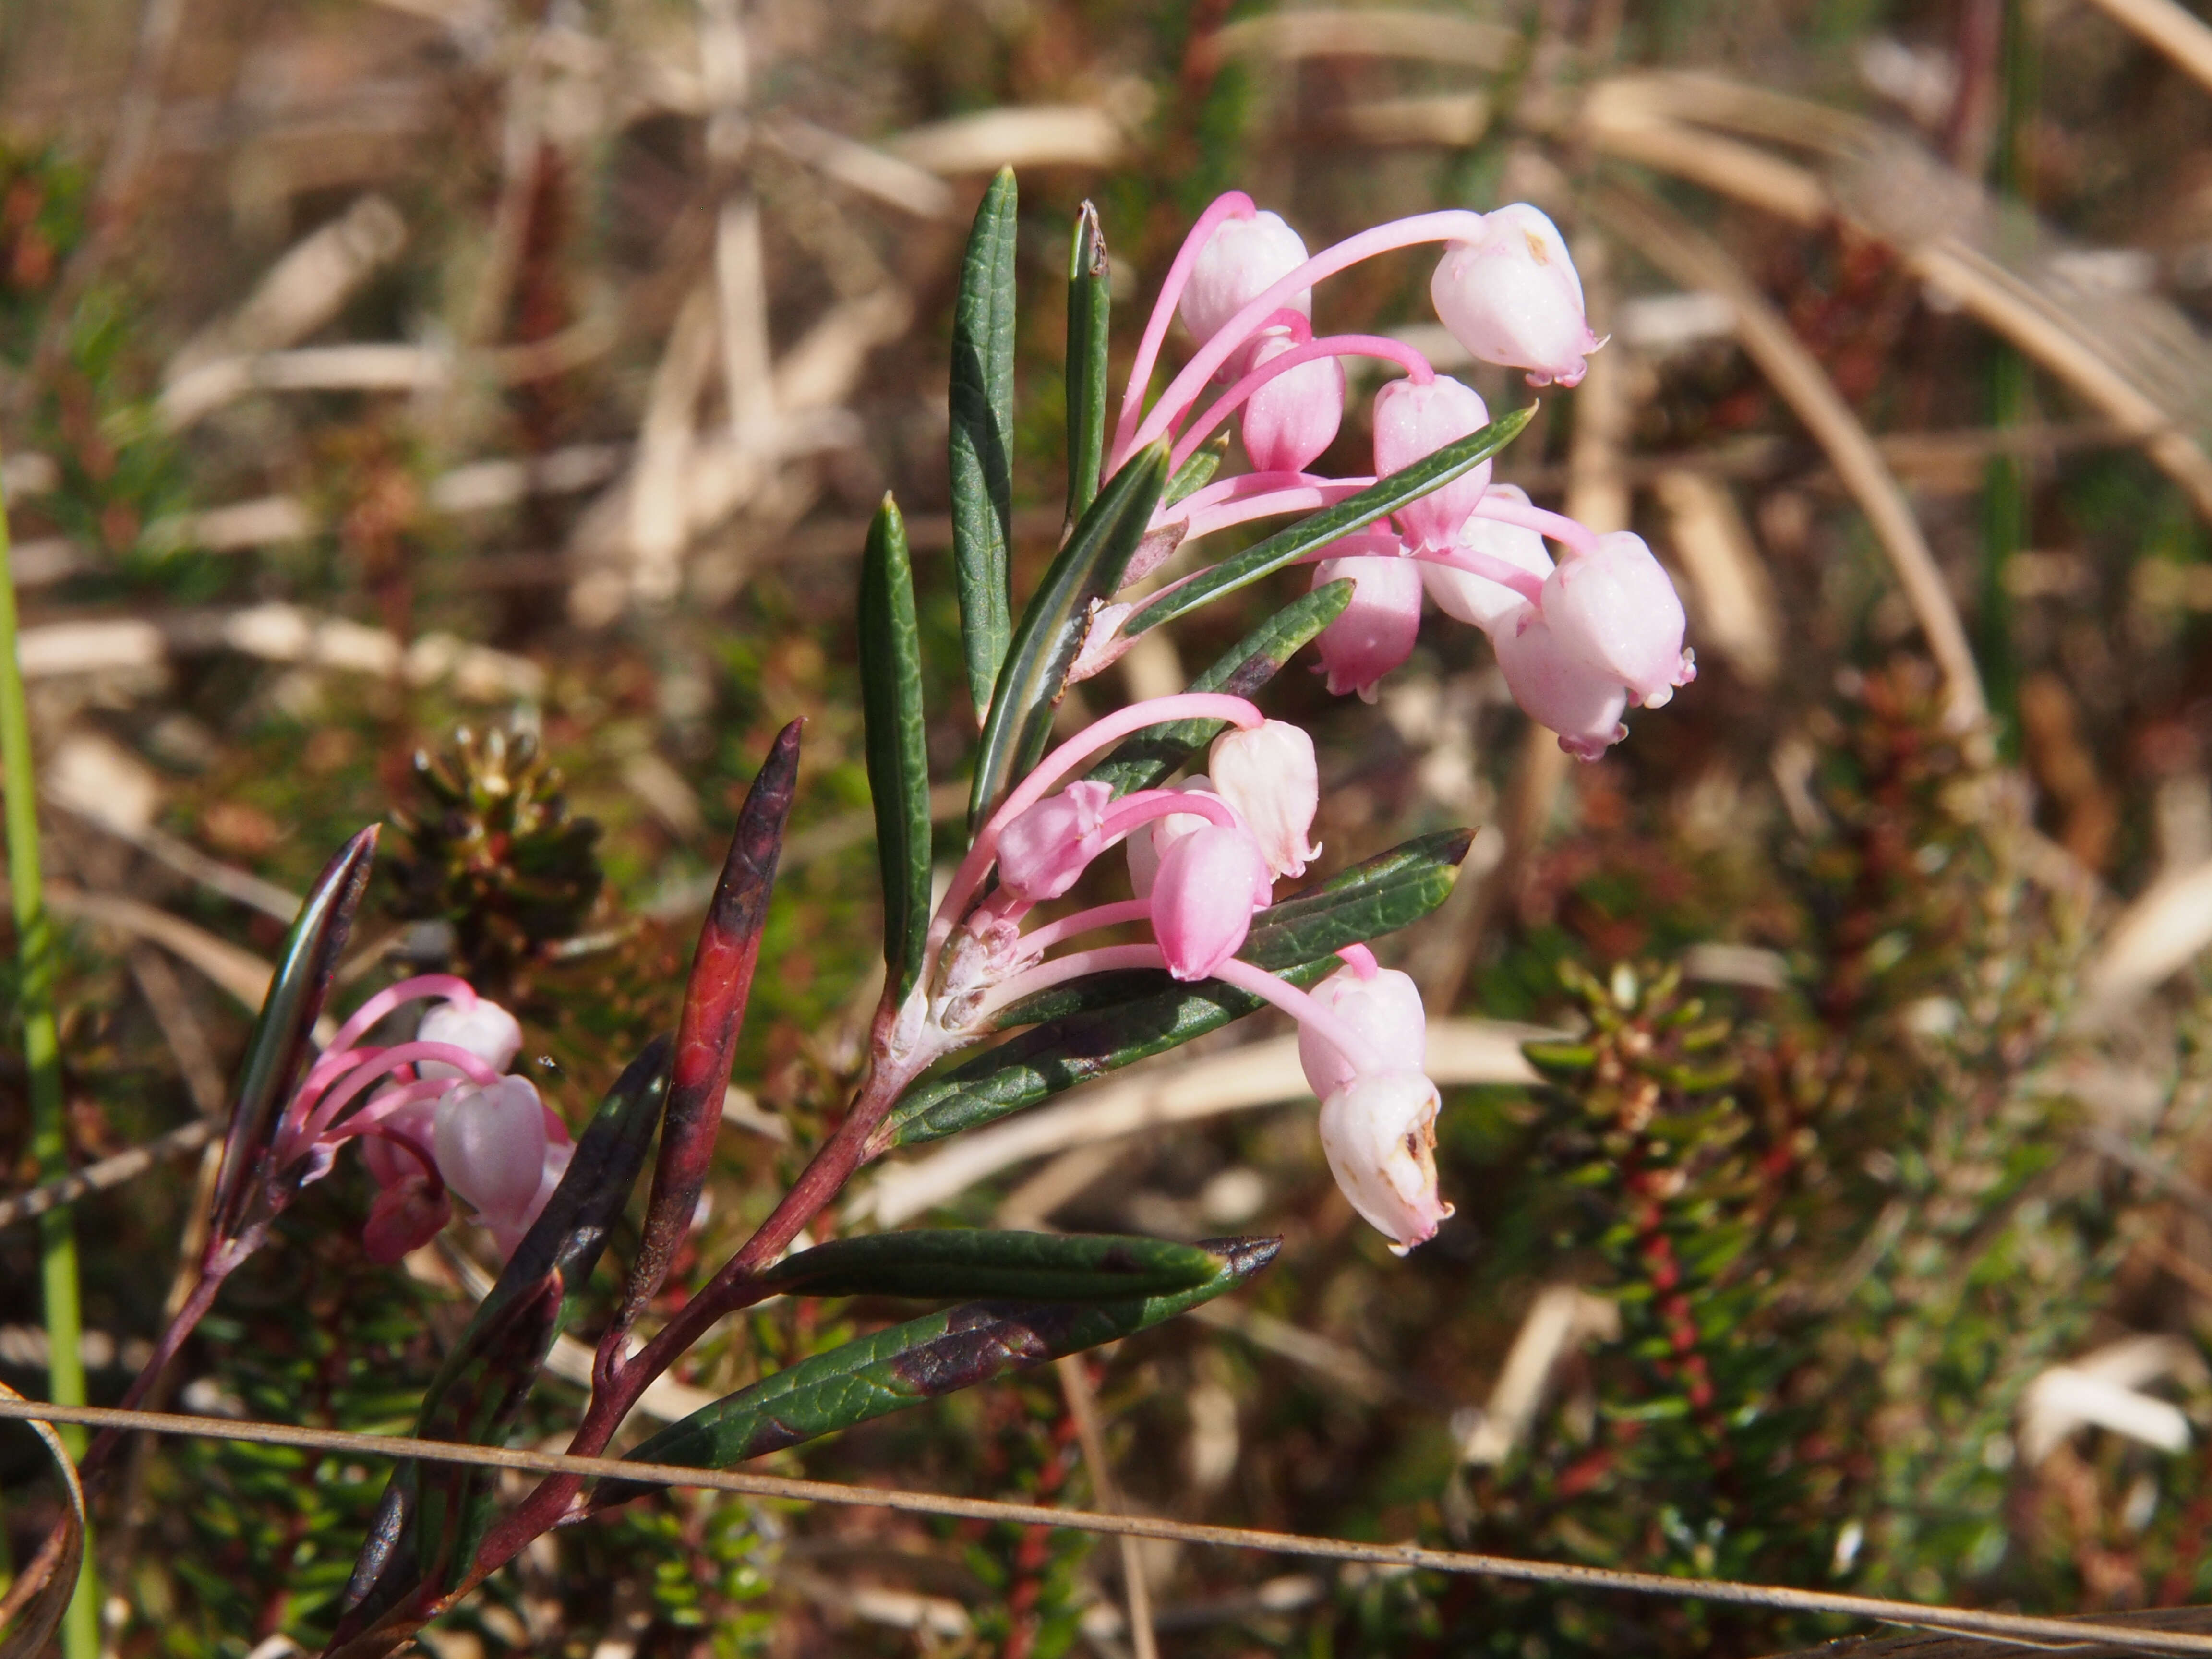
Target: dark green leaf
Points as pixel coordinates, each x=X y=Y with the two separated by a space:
x=922 y=1359
x=1088 y=304
x=950 y=1263
x=982 y=447
x=1091 y=1026
x=1197 y=472
x=278 y=1050
x=1052 y=626
x=898 y=752
x=1380 y=498
x=1147 y=758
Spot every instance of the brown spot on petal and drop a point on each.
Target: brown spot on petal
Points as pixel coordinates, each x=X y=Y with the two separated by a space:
x=1536 y=249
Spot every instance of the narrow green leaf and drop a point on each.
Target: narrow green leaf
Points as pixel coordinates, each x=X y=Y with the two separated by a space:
x=952 y=1263
x=1146 y=759
x=1380 y=498
x=1092 y=1026
x=1088 y=304
x=1197 y=472
x=982 y=445
x=1051 y=629
x=898 y=752
x=921 y=1359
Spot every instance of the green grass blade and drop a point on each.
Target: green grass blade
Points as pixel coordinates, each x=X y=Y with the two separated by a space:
x=981 y=445
x=1379 y=499
x=1089 y=304
x=897 y=750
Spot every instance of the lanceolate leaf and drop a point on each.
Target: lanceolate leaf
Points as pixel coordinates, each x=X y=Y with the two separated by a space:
x=1088 y=568
x=715 y=1000
x=1088 y=300
x=278 y=1048
x=1146 y=759
x=898 y=753
x=949 y=1263
x=922 y=1359
x=1092 y=1026
x=1382 y=497
x=981 y=449
x=1198 y=471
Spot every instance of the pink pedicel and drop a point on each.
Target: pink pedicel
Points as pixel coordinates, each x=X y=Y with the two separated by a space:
x=1379 y=1133
x=1556 y=689
x=1467 y=597
x=1208 y=884
x=1042 y=851
x=1240 y=261
x=1617 y=613
x=1510 y=296
x=1376 y=631
x=1412 y=422
x=1269 y=775
x=1293 y=418
x=483 y=1028
x=1383 y=1006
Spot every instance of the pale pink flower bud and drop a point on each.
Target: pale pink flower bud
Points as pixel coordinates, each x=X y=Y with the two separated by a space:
x=1044 y=850
x=1242 y=261
x=1556 y=689
x=1380 y=1134
x=1269 y=775
x=1209 y=882
x=1616 y=610
x=1376 y=631
x=1511 y=297
x=490 y=1145
x=406 y=1214
x=1386 y=1009
x=1412 y=422
x=1148 y=841
x=1291 y=420
x=484 y=1030
x=1471 y=598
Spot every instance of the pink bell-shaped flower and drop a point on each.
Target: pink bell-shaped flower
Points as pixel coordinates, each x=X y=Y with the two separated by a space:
x=1556 y=689
x=1268 y=773
x=1376 y=631
x=1616 y=610
x=1291 y=420
x=506 y=1231
x=406 y=1214
x=1412 y=422
x=483 y=1029
x=1045 y=850
x=1380 y=1133
x=1511 y=297
x=401 y=1144
x=490 y=1145
x=1384 y=1008
x=1209 y=882
x=1147 y=842
x=1242 y=261
x=1470 y=598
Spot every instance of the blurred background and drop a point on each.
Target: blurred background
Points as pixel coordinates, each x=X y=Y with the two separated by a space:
x=512 y=382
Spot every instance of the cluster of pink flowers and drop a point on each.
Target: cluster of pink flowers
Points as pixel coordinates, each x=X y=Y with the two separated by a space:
x=438 y=1115
x=1203 y=856
x=1577 y=640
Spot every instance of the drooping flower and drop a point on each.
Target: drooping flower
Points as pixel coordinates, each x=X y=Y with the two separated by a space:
x=1468 y=598
x=1208 y=884
x=1291 y=420
x=1379 y=1132
x=1240 y=261
x=1616 y=611
x=1556 y=689
x=489 y=1143
x=1044 y=850
x=1511 y=297
x=1268 y=773
x=1149 y=840
x=1413 y=420
x=1377 y=630
x=1385 y=1007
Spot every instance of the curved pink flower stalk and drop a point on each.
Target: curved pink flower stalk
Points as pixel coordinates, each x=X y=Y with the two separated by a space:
x=1101 y=959
x=1040 y=939
x=450 y=987
x=1568 y=533
x=1273 y=503
x=1360 y=960
x=375 y=1117
x=1333 y=345
x=1450 y=224
x=1488 y=566
x=1231 y=204
x=1055 y=766
x=1308 y=1011
x=322 y=1113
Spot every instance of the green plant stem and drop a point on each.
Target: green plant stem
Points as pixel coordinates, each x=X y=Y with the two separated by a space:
x=42 y=1060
